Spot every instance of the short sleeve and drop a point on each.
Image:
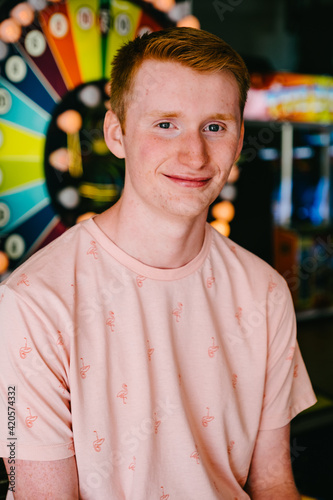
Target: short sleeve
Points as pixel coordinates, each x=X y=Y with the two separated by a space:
x=288 y=389
x=34 y=388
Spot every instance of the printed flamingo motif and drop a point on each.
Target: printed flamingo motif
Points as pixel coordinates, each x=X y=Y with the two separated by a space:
x=84 y=368
x=2 y=296
x=93 y=249
x=132 y=464
x=233 y=249
x=212 y=349
x=296 y=371
x=179 y=379
x=111 y=320
x=234 y=380
x=163 y=497
x=238 y=315
x=157 y=422
x=271 y=284
x=97 y=444
x=60 y=340
x=24 y=280
x=29 y=421
x=210 y=279
x=207 y=418
x=71 y=445
x=290 y=354
x=150 y=351
x=25 y=350
x=139 y=280
x=195 y=455
x=123 y=393
x=230 y=447
x=178 y=311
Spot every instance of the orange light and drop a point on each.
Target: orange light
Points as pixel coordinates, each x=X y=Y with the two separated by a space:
x=85 y=216
x=221 y=226
x=107 y=88
x=70 y=121
x=164 y=5
x=224 y=210
x=234 y=174
x=10 y=31
x=60 y=159
x=189 y=22
x=23 y=13
x=4 y=262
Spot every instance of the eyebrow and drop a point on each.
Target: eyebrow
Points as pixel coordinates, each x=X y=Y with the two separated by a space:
x=179 y=114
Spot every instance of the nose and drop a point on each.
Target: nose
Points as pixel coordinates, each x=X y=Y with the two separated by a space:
x=193 y=150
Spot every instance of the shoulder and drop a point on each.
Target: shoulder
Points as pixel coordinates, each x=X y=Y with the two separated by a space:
x=235 y=255
x=53 y=261
x=249 y=277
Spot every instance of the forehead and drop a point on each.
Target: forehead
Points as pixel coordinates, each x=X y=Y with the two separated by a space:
x=161 y=79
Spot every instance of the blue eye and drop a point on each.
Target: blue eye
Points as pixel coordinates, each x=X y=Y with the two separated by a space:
x=214 y=127
x=164 y=125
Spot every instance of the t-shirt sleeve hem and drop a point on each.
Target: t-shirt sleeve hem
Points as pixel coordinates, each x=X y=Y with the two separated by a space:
x=37 y=453
x=269 y=423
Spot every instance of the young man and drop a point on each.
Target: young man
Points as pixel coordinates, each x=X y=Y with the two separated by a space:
x=149 y=356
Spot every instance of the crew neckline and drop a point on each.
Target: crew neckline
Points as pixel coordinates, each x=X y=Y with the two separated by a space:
x=145 y=270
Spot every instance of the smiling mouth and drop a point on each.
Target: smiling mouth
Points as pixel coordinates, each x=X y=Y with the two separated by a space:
x=188 y=181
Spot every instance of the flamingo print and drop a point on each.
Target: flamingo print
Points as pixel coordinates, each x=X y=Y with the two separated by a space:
x=234 y=380
x=60 y=340
x=212 y=349
x=71 y=445
x=111 y=320
x=157 y=423
x=97 y=444
x=271 y=284
x=123 y=393
x=177 y=311
x=296 y=371
x=93 y=250
x=29 y=421
x=24 y=280
x=132 y=464
x=195 y=455
x=210 y=279
x=139 y=280
x=230 y=447
x=290 y=354
x=238 y=315
x=84 y=368
x=25 y=350
x=163 y=497
x=150 y=351
x=207 y=418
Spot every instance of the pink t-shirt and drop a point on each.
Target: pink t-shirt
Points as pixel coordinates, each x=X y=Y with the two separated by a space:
x=158 y=380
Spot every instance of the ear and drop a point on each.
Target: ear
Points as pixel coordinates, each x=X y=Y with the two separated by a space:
x=240 y=141
x=113 y=134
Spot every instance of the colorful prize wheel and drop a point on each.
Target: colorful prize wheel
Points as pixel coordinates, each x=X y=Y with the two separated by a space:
x=55 y=61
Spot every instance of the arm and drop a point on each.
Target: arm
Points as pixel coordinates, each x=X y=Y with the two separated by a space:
x=271 y=476
x=56 y=480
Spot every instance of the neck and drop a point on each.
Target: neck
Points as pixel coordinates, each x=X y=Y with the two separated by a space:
x=160 y=241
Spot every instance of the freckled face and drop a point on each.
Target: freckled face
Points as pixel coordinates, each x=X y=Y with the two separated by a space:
x=183 y=134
